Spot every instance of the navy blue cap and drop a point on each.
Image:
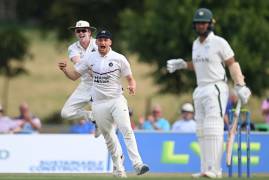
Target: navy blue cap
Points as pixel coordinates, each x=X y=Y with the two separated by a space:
x=104 y=34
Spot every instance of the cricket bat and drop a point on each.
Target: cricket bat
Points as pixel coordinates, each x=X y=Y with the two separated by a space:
x=231 y=134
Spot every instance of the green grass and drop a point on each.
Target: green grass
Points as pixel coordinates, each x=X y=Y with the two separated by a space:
x=107 y=177
x=46 y=88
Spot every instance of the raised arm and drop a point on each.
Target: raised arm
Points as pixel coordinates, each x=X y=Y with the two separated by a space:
x=70 y=73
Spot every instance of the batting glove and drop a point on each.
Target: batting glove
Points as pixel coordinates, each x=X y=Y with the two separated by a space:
x=175 y=64
x=243 y=92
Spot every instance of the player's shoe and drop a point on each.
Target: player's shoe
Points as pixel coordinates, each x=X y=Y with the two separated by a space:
x=197 y=175
x=207 y=174
x=141 y=169
x=118 y=173
x=219 y=175
x=212 y=175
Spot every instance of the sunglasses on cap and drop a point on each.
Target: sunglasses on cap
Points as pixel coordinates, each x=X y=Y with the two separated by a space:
x=81 y=30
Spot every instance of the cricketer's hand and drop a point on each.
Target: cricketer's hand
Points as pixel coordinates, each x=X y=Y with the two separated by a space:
x=243 y=92
x=175 y=64
x=62 y=65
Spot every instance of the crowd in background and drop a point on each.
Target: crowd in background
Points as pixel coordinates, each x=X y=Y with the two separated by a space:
x=27 y=123
x=24 y=123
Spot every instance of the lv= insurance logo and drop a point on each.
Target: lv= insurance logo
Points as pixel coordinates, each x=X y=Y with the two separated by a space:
x=169 y=157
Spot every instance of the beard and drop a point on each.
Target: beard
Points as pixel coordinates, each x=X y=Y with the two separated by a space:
x=204 y=33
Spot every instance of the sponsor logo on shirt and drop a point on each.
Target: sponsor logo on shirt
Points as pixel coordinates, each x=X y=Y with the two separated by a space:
x=199 y=59
x=101 y=78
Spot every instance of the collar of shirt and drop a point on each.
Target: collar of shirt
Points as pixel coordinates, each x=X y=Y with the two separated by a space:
x=208 y=38
x=82 y=48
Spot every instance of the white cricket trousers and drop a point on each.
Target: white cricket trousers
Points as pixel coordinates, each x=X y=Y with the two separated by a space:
x=107 y=114
x=74 y=106
x=210 y=103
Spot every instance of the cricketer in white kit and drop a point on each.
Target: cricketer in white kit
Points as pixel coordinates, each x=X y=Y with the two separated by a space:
x=109 y=105
x=210 y=55
x=74 y=106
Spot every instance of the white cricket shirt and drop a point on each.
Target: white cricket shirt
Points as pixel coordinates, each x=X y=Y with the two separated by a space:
x=208 y=59
x=107 y=73
x=76 y=49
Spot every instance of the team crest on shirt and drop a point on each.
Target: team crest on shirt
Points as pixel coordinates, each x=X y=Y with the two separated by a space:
x=110 y=64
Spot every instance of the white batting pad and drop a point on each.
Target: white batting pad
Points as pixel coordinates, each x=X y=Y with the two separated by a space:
x=213 y=146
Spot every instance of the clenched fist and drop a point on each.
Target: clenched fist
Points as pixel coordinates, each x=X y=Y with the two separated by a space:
x=62 y=65
x=175 y=64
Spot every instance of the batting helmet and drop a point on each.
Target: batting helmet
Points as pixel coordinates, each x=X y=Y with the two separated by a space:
x=203 y=15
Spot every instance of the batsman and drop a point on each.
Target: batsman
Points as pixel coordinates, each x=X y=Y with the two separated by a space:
x=210 y=55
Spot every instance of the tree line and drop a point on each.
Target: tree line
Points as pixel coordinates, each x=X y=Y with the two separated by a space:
x=156 y=30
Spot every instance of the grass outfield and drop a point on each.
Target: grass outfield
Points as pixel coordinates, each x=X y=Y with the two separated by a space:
x=105 y=176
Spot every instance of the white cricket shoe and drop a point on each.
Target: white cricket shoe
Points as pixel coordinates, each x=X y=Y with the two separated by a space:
x=210 y=175
x=219 y=175
x=207 y=174
x=197 y=175
x=120 y=174
x=141 y=169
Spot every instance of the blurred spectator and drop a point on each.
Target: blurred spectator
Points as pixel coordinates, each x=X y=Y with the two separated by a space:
x=265 y=110
x=155 y=121
x=144 y=123
x=252 y=126
x=82 y=127
x=28 y=122
x=244 y=123
x=185 y=123
x=131 y=114
x=7 y=125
